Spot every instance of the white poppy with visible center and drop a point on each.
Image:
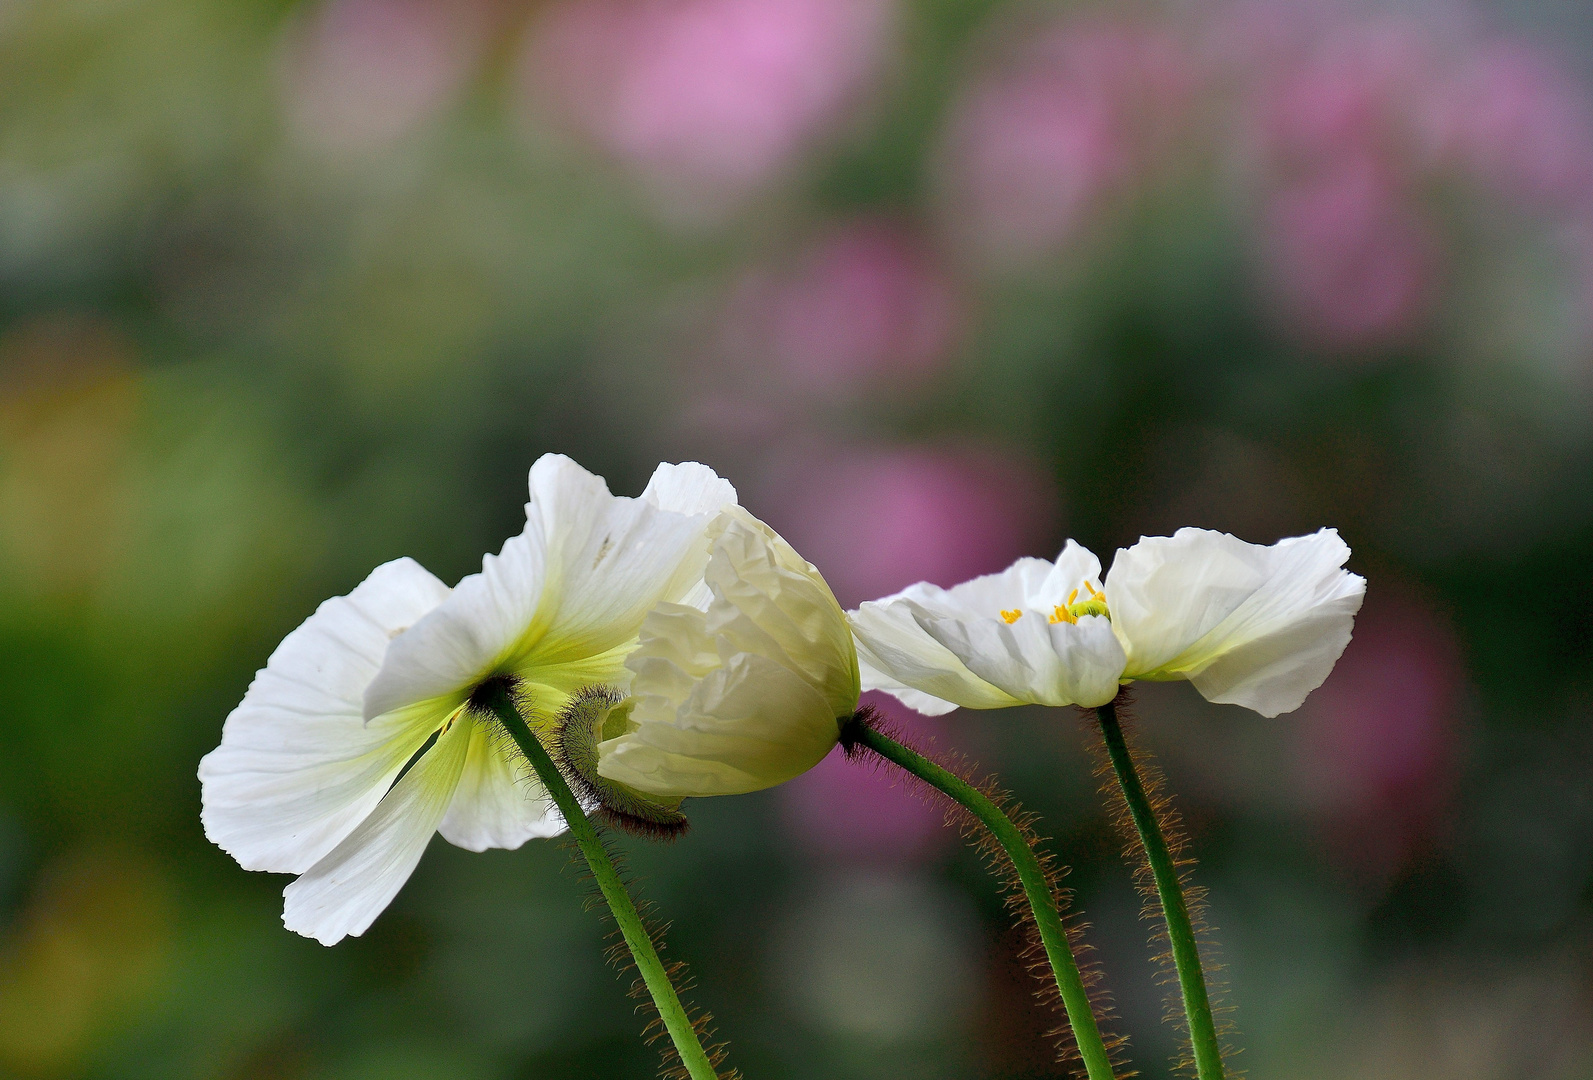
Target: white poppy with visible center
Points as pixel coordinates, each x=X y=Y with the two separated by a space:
x=746 y=693
x=353 y=746
x=1252 y=625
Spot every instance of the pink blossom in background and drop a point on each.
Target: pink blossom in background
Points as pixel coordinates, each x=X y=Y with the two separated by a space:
x=866 y=305
x=1350 y=95
x=1377 y=741
x=1517 y=121
x=362 y=73
x=1062 y=119
x=1420 y=97
x=1350 y=260
x=709 y=98
x=875 y=521
x=850 y=811
x=1353 y=125
x=1328 y=121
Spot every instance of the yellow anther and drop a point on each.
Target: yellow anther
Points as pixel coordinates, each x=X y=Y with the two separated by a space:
x=1076 y=609
x=1012 y=616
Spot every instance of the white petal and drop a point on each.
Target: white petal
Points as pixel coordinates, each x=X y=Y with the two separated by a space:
x=1034 y=660
x=460 y=643
x=1074 y=566
x=746 y=725
x=499 y=803
x=954 y=646
x=1022 y=584
x=875 y=679
x=297 y=768
x=689 y=488
x=571 y=589
x=343 y=893
x=891 y=642
x=773 y=602
x=1249 y=625
x=747 y=694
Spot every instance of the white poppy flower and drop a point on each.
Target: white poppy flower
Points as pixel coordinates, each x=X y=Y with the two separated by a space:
x=354 y=745
x=746 y=693
x=1247 y=624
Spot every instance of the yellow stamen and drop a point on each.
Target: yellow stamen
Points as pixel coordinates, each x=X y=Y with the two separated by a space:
x=1012 y=616
x=1075 y=609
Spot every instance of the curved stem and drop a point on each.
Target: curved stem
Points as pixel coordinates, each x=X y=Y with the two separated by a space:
x=676 y=1021
x=1180 y=931
x=1075 y=998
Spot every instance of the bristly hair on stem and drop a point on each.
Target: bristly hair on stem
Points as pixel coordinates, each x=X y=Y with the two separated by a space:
x=503 y=701
x=1171 y=823
x=577 y=731
x=1033 y=957
x=618 y=956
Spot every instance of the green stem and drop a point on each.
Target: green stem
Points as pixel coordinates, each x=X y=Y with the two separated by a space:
x=1180 y=931
x=1075 y=998
x=670 y=1009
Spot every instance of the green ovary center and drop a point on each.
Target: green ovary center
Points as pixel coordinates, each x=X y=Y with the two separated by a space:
x=1072 y=611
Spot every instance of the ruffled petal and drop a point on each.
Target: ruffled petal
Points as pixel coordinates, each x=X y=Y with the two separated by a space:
x=875 y=679
x=746 y=725
x=1034 y=660
x=297 y=768
x=892 y=644
x=988 y=643
x=456 y=646
x=342 y=894
x=1074 y=566
x=1249 y=625
x=689 y=488
x=773 y=602
x=747 y=694
x=1018 y=586
x=572 y=589
x=499 y=803
x=611 y=560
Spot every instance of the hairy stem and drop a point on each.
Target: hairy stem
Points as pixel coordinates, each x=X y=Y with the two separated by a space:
x=1175 y=910
x=670 y=1010
x=1075 y=998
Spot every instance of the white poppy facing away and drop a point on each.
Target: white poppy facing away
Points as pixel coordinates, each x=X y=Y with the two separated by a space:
x=1248 y=625
x=354 y=745
x=743 y=695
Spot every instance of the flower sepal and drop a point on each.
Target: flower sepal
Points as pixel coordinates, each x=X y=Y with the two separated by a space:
x=594 y=714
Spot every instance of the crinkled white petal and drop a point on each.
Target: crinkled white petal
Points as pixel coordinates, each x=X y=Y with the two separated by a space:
x=746 y=724
x=571 y=589
x=499 y=802
x=1249 y=625
x=892 y=643
x=689 y=488
x=747 y=694
x=1022 y=584
x=297 y=768
x=1034 y=660
x=1074 y=566
x=954 y=646
x=773 y=602
x=874 y=679
x=342 y=894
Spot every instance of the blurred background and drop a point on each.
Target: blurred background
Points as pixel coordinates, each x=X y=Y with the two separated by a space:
x=289 y=289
